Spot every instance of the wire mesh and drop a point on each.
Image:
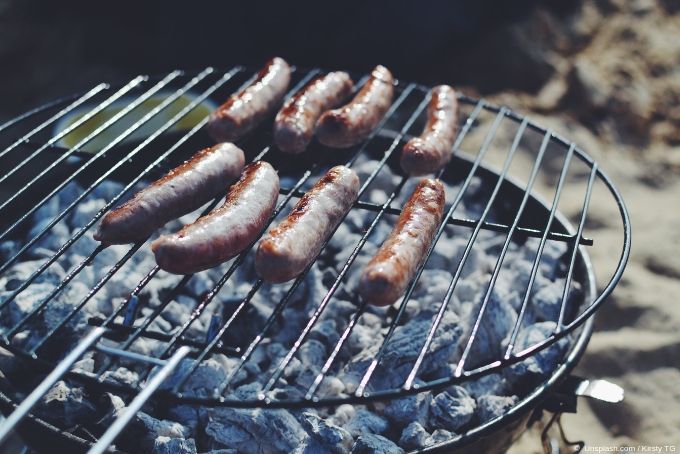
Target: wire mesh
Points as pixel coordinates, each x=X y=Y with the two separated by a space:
x=398 y=125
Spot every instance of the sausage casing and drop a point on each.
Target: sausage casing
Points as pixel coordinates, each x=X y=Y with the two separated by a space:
x=244 y=110
x=226 y=231
x=432 y=150
x=354 y=122
x=389 y=272
x=287 y=249
x=295 y=123
x=184 y=189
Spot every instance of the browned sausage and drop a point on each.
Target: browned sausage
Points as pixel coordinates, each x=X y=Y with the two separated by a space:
x=225 y=232
x=354 y=122
x=287 y=249
x=389 y=272
x=182 y=190
x=295 y=122
x=244 y=110
x=432 y=150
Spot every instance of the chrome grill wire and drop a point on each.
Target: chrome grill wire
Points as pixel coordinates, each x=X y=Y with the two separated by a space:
x=118 y=139
x=216 y=332
x=144 y=325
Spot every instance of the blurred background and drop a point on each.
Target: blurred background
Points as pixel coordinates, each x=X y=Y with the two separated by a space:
x=604 y=73
x=59 y=47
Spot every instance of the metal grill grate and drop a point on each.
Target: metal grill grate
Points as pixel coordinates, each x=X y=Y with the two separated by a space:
x=39 y=184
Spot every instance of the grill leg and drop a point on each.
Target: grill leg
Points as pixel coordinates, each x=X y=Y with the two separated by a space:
x=552 y=445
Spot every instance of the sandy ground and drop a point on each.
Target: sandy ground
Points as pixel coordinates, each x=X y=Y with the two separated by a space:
x=617 y=70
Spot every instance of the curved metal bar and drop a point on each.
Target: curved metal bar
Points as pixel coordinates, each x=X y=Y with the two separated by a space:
x=8 y=425
x=589 y=307
x=138 y=402
x=85 y=97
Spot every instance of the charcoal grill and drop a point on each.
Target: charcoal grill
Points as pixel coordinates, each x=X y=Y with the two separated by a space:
x=36 y=166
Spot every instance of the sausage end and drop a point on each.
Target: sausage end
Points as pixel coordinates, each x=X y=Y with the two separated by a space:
x=272 y=265
x=222 y=128
x=333 y=130
x=290 y=139
x=417 y=160
x=377 y=288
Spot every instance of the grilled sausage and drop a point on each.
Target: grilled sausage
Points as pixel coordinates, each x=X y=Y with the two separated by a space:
x=432 y=150
x=184 y=189
x=295 y=122
x=244 y=110
x=389 y=272
x=287 y=249
x=352 y=123
x=225 y=232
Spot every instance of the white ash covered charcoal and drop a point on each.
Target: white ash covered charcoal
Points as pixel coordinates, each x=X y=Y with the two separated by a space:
x=41 y=253
x=177 y=313
x=23 y=303
x=451 y=409
x=54 y=238
x=432 y=287
x=167 y=445
x=112 y=407
x=375 y=444
x=122 y=375
x=497 y=323
x=59 y=202
x=386 y=180
x=205 y=380
x=84 y=212
x=490 y=407
x=363 y=338
x=66 y=404
x=144 y=430
x=255 y=430
x=439 y=436
x=109 y=189
x=199 y=284
x=403 y=349
x=312 y=353
x=63 y=305
x=365 y=422
x=492 y=384
x=9 y=249
x=535 y=368
x=546 y=298
x=56 y=310
x=553 y=260
x=21 y=271
x=326 y=332
x=328 y=436
x=410 y=409
x=414 y=436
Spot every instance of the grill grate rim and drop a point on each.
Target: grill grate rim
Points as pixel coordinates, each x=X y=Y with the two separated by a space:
x=405 y=90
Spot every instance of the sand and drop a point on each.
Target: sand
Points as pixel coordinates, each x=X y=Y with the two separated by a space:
x=616 y=92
